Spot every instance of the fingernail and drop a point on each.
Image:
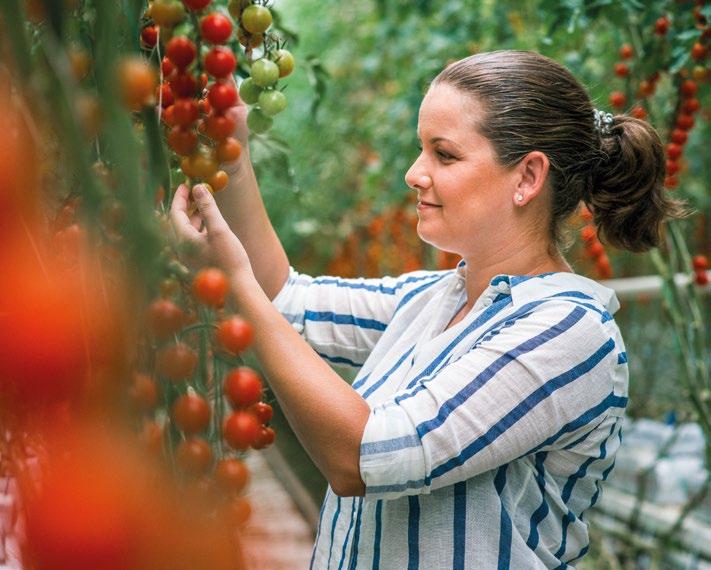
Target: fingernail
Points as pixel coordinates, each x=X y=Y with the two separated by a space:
x=199 y=191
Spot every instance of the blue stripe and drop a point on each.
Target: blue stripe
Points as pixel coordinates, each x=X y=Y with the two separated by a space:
x=582 y=553
x=542 y=511
x=358 y=383
x=395 y=488
x=378 y=534
x=340 y=360
x=605 y=474
x=418 y=290
x=382 y=380
x=353 y=565
x=333 y=531
x=380 y=288
x=413 y=533
x=578 y=295
x=521 y=410
x=344 y=319
x=389 y=445
x=490 y=371
x=505 y=525
x=575 y=294
x=318 y=531
x=622 y=357
x=348 y=534
x=585 y=435
x=460 y=525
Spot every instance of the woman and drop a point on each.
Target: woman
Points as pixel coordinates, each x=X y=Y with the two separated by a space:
x=487 y=407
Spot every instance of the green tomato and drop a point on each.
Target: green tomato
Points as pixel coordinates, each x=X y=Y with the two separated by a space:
x=256 y=19
x=264 y=72
x=257 y=121
x=249 y=91
x=285 y=62
x=272 y=102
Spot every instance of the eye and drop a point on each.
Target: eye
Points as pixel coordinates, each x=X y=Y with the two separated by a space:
x=444 y=156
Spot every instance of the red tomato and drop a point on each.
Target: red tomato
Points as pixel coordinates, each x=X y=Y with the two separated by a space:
x=265 y=438
x=220 y=62
x=164 y=318
x=177 y=361
x=229 y=150
x=196 y=4
x=149 y=36
x=588 y=233
x=137 y=81
x=240 y=430
x=183 y=85
x=222 y=96
x=210 y=286
x=152 y=437
x=618 y=99
x=186 y=112
x=194 y=455
x=661 y=26
x=690 y=106
x=699 y=51
x=165 y=94
x=168 y=117
x=595 y=249
x=672 y=167
x=700 y=262
x=235 y=334
x=243 y=387
x=673 y=151
x=621 y=70
x=216 y=28
x=191 y=413
x=685 y=122
x=232 y=475
x=604 y=269
x=181 y=51
x=263 y=411
x=689 y=88
x=219 y=127
x=182 y=141
x=639 y=112
x=626 y=51
x=166 y=66
x=144 y=392
x=701 y=278
x=238 y=511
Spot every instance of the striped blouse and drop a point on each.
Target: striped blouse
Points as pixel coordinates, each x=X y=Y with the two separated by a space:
x=487 y=442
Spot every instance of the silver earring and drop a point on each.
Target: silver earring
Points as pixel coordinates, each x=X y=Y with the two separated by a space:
x=519 y=197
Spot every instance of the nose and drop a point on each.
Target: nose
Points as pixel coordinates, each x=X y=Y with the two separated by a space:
x=416 y=177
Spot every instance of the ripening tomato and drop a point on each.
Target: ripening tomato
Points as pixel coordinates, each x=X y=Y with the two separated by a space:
x=164 y=318
x=222 y=96
x=229 y=150
x=256 y=19
x=176 y=362
x=182 y=141
x=232 y=475
x=250 y=41
x=144 y=392
x=220 y=62
x=240 y=430
x=235 y=334
x=588 y=233
x=205 y=166
x=219 y=127
x=191 y=413
x=671 y=182
x=210 y=286
x=595 y=249
x=218 y=181
x=216 y=28
x=263 y=411
x=196 y=5
x=265 y=438
x=186 y=112
x=194 y=455
x=181 y=51
x=137 y=82
x=183 y=84
x=243 y=387
x=167 y=13
x=168 y=117
x=149 y=36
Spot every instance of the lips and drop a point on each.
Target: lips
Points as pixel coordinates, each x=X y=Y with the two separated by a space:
x=422 y=202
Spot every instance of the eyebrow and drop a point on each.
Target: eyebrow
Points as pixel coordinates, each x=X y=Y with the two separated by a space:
x=437 y=139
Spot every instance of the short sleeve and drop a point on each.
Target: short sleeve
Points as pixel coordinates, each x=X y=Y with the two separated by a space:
x=343 y=319
x=538 y=384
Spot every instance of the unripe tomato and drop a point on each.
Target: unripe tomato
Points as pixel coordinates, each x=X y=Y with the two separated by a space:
x=183 y=85
x=196 y=5
x=698 y=51
x=149 y=36
x=137 y=81
x=258 y=122
x=220 y=62
x=164 y=318
x=232 y=475
x=243 y=387
x=191 y=413
x=240 y=430
x=272 y=102
x=265 y=438
x=144 y=392
x=181 y=51
x=218 y=181
x=661 y=26
x=222 y=96
x=264 y=72
x=700 y=262
x=256 y=19
x=678 y=136
x=167 y=13
x=235 y=334
x=219 y=127
x=249 y=91
x=194 y=455
x=688 y=88
x=216 y=28
x=626 y=51
x=263 y=411
x=621 y=70
x=229 y=150
x=618 y=99
x=165 y=94
x=685 y=122
x=673 y=151
x=186 y=112
x=210 y=286
x=176 y=362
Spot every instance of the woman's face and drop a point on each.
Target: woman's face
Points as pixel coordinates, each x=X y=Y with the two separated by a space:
x=464 y=194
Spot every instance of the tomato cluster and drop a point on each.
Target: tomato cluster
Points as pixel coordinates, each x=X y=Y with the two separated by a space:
x=247 y=426
x=700 y=265
x=593 y=248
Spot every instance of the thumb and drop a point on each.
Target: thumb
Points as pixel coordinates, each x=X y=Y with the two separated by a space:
x=207 y=207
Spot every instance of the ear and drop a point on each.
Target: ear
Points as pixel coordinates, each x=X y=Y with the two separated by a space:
x=533 y=172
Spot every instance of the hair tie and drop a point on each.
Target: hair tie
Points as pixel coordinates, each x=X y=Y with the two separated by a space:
x=603 y=122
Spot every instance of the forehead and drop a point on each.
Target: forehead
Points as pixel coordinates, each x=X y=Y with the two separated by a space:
x=448 y=112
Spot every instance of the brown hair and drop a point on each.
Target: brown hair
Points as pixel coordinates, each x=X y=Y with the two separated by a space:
x=534 y=103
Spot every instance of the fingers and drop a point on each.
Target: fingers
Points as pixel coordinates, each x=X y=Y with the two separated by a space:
x=208 y=208
x=179 y=213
